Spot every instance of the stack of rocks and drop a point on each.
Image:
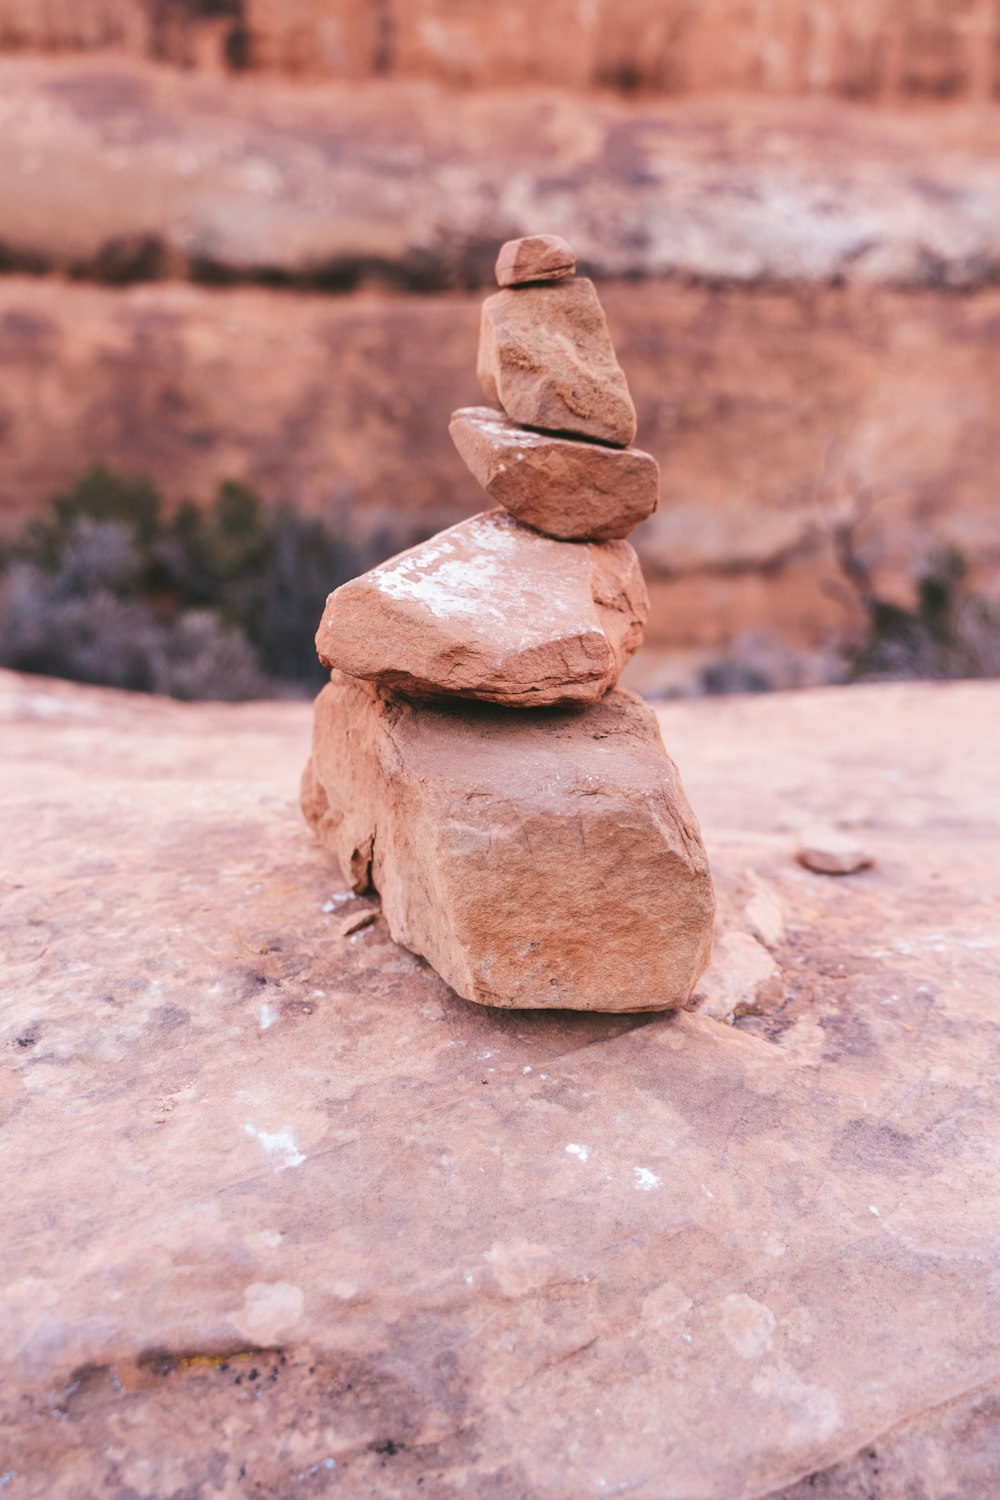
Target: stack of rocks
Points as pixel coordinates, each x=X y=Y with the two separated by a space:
x=473 y=760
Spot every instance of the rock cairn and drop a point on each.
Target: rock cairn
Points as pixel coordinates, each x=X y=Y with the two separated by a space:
x=473 y=760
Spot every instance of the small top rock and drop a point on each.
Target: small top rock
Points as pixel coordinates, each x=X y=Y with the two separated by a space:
x=538 y=257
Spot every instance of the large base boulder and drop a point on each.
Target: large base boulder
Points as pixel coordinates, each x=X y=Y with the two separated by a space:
x=537 y=858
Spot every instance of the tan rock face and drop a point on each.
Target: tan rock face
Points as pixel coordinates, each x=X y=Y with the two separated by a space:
x=880 y=50
x=330 y=398
x=97 y=177
x=567 y=489
x=537 y=257
x=545 y=356
x=537 y=860
x=491 y=609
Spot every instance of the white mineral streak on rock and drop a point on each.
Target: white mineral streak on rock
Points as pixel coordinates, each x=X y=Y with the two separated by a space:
x=452 y=580
x=491 y=609
x=270 y=1310
x=278 y=1143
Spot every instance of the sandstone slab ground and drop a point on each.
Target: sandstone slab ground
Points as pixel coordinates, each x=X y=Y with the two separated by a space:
x=282 y=1216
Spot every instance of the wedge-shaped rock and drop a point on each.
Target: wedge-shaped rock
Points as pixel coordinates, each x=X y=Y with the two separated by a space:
x=543 y=859
x=537 y=257
x=491 y=609
x=565 y=488
x=545 y=356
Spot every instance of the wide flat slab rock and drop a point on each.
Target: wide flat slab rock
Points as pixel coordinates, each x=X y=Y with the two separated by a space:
x=537 y=859
x=229 y=1131
x=546 y=357
x=491 y=609
x=565 y=488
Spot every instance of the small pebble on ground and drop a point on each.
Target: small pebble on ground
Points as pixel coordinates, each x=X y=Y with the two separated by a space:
x=829 y=852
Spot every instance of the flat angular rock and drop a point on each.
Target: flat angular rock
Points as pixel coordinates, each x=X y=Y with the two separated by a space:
x=741 y=980
x=491 y=609
x=546 y=357
x=565 y=488
x=544 y=860
x=537 y=257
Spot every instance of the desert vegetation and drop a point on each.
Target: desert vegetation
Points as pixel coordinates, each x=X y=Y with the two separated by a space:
x=221 y=600
x=218 y=601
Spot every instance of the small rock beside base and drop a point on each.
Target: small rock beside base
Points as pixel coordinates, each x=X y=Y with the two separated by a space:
x=827 y=851
x=542 y=858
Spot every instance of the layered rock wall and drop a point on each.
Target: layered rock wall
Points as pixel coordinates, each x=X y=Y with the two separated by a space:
x=269 y=280
x=862 y=49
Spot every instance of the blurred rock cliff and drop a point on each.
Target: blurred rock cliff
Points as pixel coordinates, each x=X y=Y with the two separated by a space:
x=243 y=239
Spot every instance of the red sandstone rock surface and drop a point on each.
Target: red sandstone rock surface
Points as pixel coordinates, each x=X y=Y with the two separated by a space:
x=276 y=1199
x=121 y=170
x=491 y=609
x=546 y=357
x=567 y=489
x=876 y=50
x=537 y=859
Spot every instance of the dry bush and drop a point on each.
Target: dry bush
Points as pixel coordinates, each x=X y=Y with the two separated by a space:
x=209 y=602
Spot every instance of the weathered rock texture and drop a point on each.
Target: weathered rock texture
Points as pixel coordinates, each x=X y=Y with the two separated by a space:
x=126 y=172
x=275 y=1199
x=491 y=609
x=565 y=488
x=546 y=357
x=875 y=50
x=537 y=860
x=536 y=257
x=741 y=980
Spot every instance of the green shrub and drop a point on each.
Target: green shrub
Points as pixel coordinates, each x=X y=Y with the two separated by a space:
x=219 y=601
